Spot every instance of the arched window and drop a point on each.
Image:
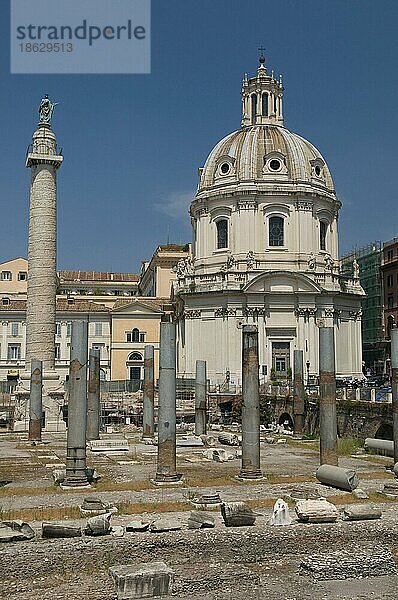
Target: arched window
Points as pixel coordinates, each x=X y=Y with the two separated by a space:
x=222 y=233
x=264 y=108
x=275 y=100
x=322 y=234
x=134 y=369
x=276 y=233
x=254 y=108
x=135 y=336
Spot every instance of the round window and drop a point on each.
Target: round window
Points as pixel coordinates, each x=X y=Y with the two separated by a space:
x=274 y=164
x=225 y=167
x=317 y=170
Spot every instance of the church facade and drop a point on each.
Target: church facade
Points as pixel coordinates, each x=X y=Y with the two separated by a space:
x=265 y=229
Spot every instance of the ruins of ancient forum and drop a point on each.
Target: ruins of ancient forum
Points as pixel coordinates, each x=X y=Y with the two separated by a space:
x=241 y=385
x=264 y=252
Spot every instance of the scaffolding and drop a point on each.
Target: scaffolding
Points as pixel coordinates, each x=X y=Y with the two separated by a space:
x=369 y=259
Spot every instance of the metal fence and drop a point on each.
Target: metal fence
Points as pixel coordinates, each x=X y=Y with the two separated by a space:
x=122 y=385
x=7 y=387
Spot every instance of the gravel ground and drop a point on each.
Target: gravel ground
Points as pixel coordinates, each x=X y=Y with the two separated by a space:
x=211 y=564
x=245 y=563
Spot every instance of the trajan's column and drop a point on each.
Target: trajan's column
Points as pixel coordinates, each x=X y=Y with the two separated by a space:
x=43 y=159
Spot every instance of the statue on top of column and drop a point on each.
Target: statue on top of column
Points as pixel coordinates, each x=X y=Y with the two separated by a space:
x=46 y=110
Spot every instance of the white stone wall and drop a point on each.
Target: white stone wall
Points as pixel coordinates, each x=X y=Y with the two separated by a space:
x=217 y=339
x=248 y=231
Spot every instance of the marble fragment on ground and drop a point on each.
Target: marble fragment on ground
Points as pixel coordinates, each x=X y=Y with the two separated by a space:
x=142 y=580
x=99 y=525
x=137 y=526
x=316 y=511
x=200 y=520
x=237 y=514
x=61 y=529
x=165 y=524
x=280 y=515
x=15 y=531
x=361 y=512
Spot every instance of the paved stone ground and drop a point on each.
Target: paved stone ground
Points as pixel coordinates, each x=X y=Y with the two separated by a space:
x=246 y=563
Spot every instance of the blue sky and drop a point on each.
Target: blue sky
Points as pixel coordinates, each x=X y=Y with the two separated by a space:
x=132 y=143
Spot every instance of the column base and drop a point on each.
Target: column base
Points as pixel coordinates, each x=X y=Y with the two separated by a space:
x=161 y=479
x=75 y=482
x=250 y=476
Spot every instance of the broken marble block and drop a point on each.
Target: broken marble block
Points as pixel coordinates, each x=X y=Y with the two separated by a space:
x=99 y=525
x=316 y=511
x=138 y=526
x=281 y=515
x=59 y=475
x=189 y=440
x=15 y=531
x=219 y=454
x=142 y=580
x=200 y=520
x=117 y=531
x=237 y=514
x=162 y=525
x=360 y=494
x=61 y=529
x=228 y=439
x=361 y=512
x=93 y=504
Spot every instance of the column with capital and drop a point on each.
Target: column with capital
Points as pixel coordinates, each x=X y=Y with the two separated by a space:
x=43 y=159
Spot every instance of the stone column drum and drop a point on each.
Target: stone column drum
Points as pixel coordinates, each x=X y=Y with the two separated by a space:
x=148 y=427
x=327 y=398
x=35 y=406
x=250 y=405
x=94 y=396
x=166 y=467
x=394 y=388
x=77 y=407
x=298 y=392
x=200 y=398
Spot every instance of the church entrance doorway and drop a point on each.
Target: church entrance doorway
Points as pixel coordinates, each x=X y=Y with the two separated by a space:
x=281 y=358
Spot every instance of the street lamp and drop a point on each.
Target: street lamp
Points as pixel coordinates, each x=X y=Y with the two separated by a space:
x=307 y=364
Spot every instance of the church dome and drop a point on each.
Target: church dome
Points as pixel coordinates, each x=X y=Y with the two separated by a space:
x=268 y=154
x=263 y=154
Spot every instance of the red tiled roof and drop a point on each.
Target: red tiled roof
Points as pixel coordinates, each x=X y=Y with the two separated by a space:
x=174 y=247
x=156 y=303
x=62 y=305
x=94 y=276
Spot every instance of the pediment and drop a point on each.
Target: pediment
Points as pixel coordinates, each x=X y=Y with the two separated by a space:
x=282 y=282
x=137 y=308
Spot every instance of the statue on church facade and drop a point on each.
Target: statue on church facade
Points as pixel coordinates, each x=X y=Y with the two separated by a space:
x=355 y=268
